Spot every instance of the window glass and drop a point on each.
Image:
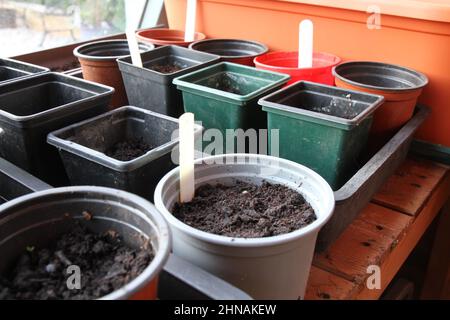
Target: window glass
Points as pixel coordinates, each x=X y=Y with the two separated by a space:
x=31 y=25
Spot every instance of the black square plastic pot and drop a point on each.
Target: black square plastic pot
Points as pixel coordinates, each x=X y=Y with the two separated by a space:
x=83 y=146
x=33 y=107
x=152 y=89
x=11 y=70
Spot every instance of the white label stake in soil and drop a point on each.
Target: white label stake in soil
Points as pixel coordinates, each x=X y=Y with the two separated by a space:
x=134 y=49
x=305 y=44
x=191 y=12
x=187 y=184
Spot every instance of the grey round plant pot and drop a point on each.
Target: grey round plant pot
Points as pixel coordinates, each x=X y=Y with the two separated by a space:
x=38 y=219
x=266 y=268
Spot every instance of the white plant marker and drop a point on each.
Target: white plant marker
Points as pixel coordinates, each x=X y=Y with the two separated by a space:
x=187 y=184
x=134 y=48
x=191 y=13
x=305 y=44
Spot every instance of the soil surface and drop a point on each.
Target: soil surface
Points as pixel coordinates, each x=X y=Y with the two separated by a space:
x=105 y=262
x=339 y=108
x=68 y=66
x=246 y=210
x=167 y=68
x=225 y=82
x=128 y=150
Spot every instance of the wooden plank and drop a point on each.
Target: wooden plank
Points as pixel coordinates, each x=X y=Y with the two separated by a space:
x=412 y=235
x=323 y=285
x=439 y=262
x=408 y=189
x=367 y=241
x=379 y=236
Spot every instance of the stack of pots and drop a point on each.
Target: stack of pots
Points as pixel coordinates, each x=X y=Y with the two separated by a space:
x=250 y=263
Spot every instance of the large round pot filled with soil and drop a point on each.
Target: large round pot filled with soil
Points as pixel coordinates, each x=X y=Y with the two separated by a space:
x=98 y=64
x=81 y=243
x=164 y=37
x=232 y=50
x=253 y=222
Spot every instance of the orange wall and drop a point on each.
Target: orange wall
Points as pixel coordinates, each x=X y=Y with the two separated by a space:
x=420 y=44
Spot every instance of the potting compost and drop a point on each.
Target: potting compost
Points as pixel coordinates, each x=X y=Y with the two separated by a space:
x=168 y=68
x=128 y=149
x=246 y=210
x=105 y=261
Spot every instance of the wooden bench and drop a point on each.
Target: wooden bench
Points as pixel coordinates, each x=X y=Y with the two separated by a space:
x=385 y=233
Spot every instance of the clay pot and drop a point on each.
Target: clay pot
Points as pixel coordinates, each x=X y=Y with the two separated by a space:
x=163 y=37
x=98 y=63
x=400 y=86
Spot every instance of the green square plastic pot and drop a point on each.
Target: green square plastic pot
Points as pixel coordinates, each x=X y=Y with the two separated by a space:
x=322 y=127
x=234 y=108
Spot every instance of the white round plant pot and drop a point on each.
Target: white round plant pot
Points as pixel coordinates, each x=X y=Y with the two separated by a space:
x=266 y=268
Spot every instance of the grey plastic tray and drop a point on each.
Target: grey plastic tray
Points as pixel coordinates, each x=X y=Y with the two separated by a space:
x=15 y=182
x=11 y=70
x=360 y=189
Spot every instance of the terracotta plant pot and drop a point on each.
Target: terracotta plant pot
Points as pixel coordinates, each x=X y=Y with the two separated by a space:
x=400 y=86
x=163 y=37
x=287 y=62
x=232 y=50
x=98 y=63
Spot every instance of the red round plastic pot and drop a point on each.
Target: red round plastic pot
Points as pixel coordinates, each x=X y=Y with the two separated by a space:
x=287 y=62
x=232 y=50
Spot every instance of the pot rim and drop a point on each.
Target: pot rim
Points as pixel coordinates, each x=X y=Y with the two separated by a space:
x=142 y=36
x=98 y=157
x=257 y=63
x=157 y=220
x=264 y=48
x=183 y=82
x=422 y=77
x=246 y=242
x=77 y=52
